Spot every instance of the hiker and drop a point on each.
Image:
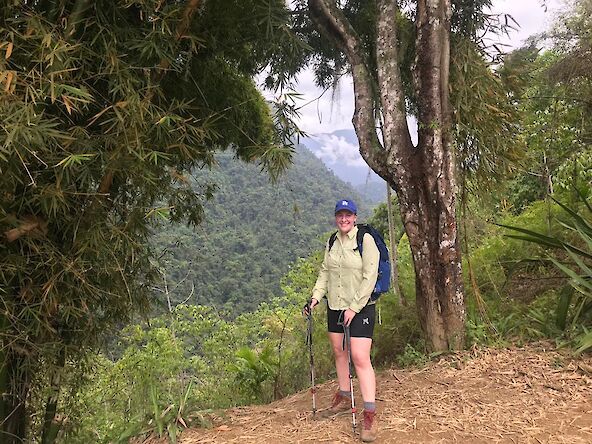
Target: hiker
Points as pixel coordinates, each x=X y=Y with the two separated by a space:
x=347 y=279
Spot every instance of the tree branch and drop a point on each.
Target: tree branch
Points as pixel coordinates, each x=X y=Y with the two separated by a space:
x=331 y=21
x=396 y=135
x=431 y=80
x=29 y=224
x=431 y=75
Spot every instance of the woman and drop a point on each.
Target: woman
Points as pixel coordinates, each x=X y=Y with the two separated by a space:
x=348 y=279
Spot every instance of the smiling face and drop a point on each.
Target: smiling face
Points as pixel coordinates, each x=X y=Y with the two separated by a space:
x=345 y=221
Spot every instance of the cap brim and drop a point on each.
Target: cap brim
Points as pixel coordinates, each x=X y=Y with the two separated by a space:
x=337 y=210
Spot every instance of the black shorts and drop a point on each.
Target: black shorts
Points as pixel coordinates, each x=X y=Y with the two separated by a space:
x=362 y=325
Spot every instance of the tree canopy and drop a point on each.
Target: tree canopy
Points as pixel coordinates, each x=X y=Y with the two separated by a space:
x=105 y=107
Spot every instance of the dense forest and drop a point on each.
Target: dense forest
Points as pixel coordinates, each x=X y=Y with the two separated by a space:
x=160 y=231
x=252 y=230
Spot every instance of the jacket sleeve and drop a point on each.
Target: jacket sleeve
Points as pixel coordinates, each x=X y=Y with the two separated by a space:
x=370 y=259
x=320 y=289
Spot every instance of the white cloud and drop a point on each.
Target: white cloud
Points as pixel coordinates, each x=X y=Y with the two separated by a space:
x=334 y=149
x=325 y=111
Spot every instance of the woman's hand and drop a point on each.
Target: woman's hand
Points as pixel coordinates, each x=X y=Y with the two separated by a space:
x=307 y=309
x=348 y=315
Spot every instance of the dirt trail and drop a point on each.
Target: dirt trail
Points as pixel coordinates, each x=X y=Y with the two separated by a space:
x=519 y=395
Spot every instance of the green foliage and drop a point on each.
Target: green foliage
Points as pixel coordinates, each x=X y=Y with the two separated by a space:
x=579 y=253
x=162 y=381
x=574 y=176
x=539 y=318
x=104 y=107
x=149 y=390
x=498 y=258
x=513 y=293
x=487 y=139
x=379 y=220
x=398 y=329
x=554 y=124
x=173 y=371
x=412 y=357
x=252 y=370
x=477 y=332
x=406 y=267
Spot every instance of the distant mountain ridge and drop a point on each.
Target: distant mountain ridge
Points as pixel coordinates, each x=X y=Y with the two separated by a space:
x=253 y=231
x=339 y=151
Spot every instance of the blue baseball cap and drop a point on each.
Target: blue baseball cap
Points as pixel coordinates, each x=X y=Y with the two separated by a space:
x=346 y=204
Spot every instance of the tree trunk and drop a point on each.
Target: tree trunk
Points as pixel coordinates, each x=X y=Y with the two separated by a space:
x=422 y=176
x=393 y=245
x=435 y=242
x=14 y=389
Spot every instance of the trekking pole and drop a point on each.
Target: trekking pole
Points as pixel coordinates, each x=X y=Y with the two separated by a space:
x=309 y=332
x=351 y=378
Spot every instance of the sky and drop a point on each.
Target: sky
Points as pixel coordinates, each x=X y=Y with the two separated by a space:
x=332 y=110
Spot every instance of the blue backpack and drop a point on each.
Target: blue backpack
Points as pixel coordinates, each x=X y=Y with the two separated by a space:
x=384 y=265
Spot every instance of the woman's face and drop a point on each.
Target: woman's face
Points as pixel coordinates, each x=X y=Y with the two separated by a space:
x=345 y=221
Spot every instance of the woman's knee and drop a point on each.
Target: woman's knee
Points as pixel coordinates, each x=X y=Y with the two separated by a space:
x=339 y=352
x=361 y=359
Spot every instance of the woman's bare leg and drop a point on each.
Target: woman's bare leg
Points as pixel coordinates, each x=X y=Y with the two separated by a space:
x=364 y=370
x=341 y=364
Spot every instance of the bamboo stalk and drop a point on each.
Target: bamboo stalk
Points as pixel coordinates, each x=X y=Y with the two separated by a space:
x=51 y=427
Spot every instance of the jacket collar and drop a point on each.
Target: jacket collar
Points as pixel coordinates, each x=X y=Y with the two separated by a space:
x=352 y=233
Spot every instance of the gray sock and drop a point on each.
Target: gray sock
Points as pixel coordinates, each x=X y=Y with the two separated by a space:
x=345 y=394
x=370 y=406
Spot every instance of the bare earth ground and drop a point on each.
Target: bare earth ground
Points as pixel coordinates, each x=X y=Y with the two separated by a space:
x=518 y=395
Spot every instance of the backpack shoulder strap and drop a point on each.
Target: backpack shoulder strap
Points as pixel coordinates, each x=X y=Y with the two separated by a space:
x=362 y=229
x=332 y=240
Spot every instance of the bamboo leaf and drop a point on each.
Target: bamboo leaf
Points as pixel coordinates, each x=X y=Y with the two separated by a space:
x=577 y=251
x=544 y=240
x=67 y=104
x=161 y=212
x=74 y=159
x=537 y=240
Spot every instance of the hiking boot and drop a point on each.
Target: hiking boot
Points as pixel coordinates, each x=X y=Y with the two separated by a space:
x=339 y=404
x=369 y=427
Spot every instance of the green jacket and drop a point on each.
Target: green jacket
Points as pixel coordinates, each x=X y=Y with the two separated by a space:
x=346 y=278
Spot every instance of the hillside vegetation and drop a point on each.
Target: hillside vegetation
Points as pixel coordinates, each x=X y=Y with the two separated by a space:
x=253 y=229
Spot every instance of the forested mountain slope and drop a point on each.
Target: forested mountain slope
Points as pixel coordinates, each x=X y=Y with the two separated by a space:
x=253 y=230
